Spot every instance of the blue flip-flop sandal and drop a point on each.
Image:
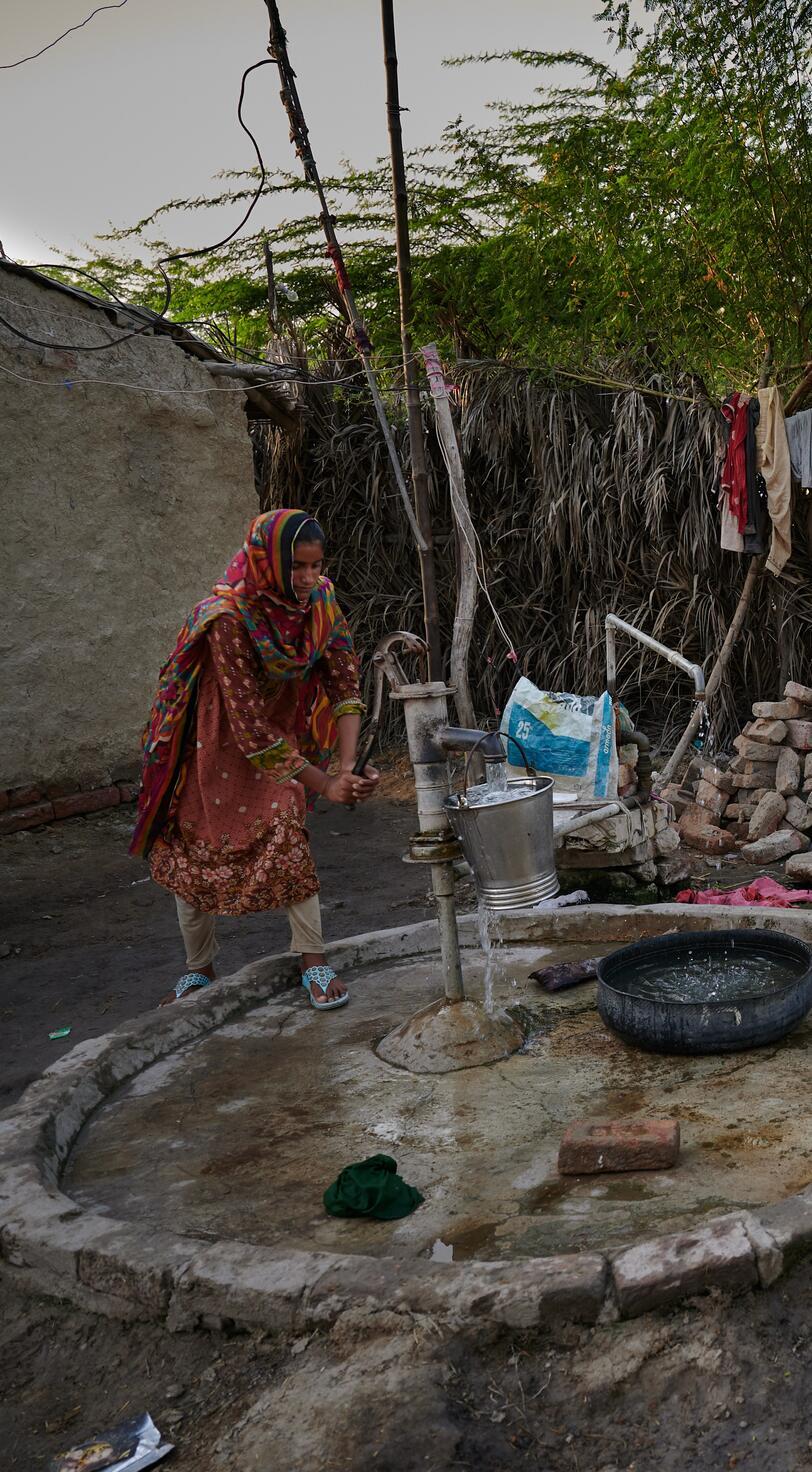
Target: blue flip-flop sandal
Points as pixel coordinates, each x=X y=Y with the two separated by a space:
x=322 y=976
x=190 y=980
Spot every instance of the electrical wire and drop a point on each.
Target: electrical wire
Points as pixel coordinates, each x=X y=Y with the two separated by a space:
x=165 y=260
x=146 y=388
x=8 y=66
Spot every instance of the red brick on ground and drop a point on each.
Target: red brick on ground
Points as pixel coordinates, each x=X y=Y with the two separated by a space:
x=128 y=791
x=24 y=797
x=592 y=1146
x=86 y=802
x=60 y=789
x=16 y=819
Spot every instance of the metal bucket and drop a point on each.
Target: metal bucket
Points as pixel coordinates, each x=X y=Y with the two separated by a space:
x=509 y=845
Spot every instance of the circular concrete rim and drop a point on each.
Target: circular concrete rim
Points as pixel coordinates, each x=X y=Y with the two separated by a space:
x=50 y=1244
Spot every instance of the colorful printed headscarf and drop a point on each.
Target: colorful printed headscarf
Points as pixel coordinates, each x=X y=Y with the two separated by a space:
x=257 y=587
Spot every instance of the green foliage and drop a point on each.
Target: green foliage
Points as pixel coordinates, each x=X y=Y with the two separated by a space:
x=663 y=204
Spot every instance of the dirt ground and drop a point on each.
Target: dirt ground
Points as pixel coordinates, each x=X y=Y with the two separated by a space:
x=87 y=940
x=713 y=1386
x=716 y=1385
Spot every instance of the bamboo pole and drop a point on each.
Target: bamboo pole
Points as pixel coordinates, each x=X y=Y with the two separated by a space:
x=300 y=138
x=715 y=676
x=420 y=482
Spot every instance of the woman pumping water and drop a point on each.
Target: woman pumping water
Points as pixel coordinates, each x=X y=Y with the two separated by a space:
x=260 y=691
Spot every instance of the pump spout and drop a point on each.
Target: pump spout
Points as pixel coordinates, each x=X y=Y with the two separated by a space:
x=460 y=738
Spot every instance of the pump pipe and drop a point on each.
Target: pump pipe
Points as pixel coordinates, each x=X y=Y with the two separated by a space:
x=612 y=622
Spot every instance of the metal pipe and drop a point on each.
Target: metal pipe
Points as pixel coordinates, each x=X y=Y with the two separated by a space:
x=442 y=883
x=612 y=622
x=583 y=820
x=460 y=738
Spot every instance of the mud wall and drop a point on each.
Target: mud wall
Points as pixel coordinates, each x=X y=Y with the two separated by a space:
x=120 y=505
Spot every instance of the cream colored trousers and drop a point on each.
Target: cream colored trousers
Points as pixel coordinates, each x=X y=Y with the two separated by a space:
x=197 y=929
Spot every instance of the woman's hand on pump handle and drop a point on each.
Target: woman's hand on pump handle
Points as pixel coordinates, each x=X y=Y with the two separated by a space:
x=345 y=787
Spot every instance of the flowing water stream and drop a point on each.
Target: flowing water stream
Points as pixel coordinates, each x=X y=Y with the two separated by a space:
x=494 y=790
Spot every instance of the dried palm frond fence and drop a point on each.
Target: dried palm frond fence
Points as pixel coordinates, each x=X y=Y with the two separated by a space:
x=587 y=500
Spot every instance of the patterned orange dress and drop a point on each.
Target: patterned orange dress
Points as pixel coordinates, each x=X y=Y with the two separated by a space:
x=236 y=841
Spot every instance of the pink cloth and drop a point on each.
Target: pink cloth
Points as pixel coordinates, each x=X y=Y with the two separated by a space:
x=763 y=891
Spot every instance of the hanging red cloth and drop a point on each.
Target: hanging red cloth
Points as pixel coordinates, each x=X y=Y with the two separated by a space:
x=734 y=469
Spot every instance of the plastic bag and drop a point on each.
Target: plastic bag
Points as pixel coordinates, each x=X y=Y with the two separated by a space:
x=570 y=738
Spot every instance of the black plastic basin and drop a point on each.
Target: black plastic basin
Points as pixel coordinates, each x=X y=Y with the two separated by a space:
x=754 y=984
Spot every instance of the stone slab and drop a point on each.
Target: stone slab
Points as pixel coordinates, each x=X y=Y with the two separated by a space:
x=657 y=1273
x=234 y=1283
x=789 y=1224
x=799 y=868
x=776 y=846
x=537 y=1292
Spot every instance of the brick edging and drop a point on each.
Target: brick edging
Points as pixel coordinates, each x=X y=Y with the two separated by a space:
x=51 y=1244
x=33 y=807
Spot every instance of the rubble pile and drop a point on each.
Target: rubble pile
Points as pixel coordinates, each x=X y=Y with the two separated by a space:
x=759 y=802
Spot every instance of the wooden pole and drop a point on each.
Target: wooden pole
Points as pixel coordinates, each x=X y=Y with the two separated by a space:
x=467 y=588
x=420 y=483
x=300 y=138
x=715 y=676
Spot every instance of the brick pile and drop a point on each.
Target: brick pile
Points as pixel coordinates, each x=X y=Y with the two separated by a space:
x=759 y=802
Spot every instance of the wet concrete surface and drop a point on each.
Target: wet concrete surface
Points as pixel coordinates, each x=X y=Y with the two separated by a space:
x=240 y=1134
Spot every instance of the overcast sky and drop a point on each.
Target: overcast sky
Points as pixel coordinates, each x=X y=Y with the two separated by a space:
x=140 y=106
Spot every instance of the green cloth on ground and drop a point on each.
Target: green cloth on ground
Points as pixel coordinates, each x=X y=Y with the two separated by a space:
x=371 y=1187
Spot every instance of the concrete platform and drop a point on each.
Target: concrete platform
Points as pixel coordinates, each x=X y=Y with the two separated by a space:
x=222 y=1118
x=238 y=1134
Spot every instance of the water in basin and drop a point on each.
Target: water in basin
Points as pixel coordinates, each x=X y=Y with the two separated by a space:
x=708 y=976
